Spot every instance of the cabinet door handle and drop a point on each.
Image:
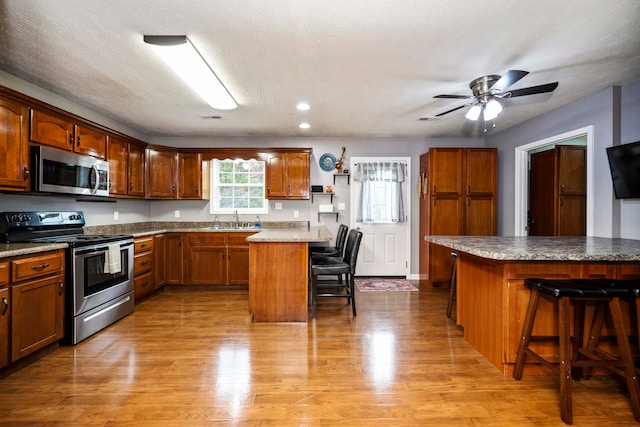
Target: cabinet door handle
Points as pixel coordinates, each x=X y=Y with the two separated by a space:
x=71 y=139
x=25 y=173
x=434 y=189
x=40 y=267
x=78 y=144
x=5 y=304
x=144 y=245
x=197 y=190
x=468 y=189
x=131 y=186
x=173 y=189
x=562 y=188
x=144 y=263
x=61 y=287
x=228 y=253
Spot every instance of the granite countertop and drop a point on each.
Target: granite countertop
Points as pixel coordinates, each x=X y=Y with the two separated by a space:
x=15 y=249
x=298 y=234
x=543 y=248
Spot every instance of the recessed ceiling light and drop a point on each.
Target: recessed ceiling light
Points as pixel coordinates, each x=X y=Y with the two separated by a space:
x=304 y=125
x=303 y=106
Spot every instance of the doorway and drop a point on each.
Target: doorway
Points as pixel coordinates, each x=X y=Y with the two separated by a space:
x=386 y=246
x=522 y=154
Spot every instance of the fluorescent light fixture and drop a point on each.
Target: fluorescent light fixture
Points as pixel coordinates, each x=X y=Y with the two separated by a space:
x=474 y=112
x=492 y=109
x=184 y=59
x=304 y=125
x=303 y=106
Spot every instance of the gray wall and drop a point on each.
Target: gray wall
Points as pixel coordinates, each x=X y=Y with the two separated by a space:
x=613 y=112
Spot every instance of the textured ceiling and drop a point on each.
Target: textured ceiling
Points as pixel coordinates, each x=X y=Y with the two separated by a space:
x=367 y=67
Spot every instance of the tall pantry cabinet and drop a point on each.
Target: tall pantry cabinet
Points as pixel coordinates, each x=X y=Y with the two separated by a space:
x=458 y=196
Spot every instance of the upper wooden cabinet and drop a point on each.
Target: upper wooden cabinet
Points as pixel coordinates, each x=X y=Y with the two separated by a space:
x=63 y=133
x=14 y=144
x=193 y=177
x=161 y=172
x=459 y=197
x=126 y=167
x=288 y=175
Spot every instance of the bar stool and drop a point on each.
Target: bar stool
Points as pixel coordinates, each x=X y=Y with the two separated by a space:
x=572 y=359
x=453 y=286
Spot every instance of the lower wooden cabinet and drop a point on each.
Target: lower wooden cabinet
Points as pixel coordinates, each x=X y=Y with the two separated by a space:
x=37 y=315
x=5 y=331
x=216 y=258
x=143 y=267
x=174 y=252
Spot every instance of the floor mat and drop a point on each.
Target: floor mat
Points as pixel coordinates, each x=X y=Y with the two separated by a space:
x=379 y=284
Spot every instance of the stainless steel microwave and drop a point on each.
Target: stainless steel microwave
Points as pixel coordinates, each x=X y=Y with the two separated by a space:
x=62 y=172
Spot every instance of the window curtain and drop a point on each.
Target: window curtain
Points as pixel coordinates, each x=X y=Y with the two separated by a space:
x=381 y=198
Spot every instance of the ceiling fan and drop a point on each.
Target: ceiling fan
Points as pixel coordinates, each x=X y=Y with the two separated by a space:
x=487 y=88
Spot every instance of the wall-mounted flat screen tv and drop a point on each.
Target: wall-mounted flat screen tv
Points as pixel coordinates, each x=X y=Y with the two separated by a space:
x=624 y=162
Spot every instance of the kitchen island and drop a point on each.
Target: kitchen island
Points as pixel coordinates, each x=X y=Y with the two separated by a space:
x=492 y=298
x=279 y=271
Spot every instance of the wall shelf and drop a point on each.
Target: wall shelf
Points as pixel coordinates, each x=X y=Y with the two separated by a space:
x=348 y=175
x=322 y=194
x=337 y=214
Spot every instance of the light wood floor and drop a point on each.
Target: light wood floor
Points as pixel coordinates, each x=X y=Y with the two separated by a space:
x=194 y=358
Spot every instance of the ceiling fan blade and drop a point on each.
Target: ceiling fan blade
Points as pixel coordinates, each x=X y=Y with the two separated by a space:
x=453 y=96
x=452 y=110
x=508 y=79
x=549 y=87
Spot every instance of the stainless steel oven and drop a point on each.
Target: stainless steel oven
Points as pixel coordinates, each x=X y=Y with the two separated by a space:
x=98 y=268
x=99 y=298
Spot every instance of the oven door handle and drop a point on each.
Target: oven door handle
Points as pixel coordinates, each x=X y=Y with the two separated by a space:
x=100 y=250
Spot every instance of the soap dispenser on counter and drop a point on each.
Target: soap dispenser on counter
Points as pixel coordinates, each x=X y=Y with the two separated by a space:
x=216 y=222
x=258 y=223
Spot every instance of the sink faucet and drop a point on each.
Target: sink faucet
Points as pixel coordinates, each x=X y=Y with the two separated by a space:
x=237 y=224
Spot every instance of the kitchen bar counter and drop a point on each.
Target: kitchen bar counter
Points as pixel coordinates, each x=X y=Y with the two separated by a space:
x=278 y=273
x=492 y=298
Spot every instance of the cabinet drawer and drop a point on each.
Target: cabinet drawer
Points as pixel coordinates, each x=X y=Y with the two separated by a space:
x=142 y=262
x=238 y=239
x=206 y=239
x=143 y=244
x=4 y=273
x=143 y=285
x=38 y=266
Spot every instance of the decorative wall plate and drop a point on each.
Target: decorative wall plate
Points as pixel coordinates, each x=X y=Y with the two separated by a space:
x=327 y=162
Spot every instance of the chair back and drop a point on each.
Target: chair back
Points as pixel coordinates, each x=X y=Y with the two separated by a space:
x=341 y=238
x=351 y=249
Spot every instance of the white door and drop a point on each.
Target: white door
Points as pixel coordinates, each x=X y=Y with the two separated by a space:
x=385 y=247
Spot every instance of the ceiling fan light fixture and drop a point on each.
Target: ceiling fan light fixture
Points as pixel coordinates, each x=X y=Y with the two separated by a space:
x=474 y=112
x=186 y=61
x=492 y=109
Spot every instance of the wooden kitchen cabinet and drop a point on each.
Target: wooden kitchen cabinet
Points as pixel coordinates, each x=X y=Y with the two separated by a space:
x=175 y=259
x=160 y=259
x=126 y=168
x=5 y=315
x=143 y=267
x=458 y=197
x=37 y=302
x=238 y=261
x=206 y=259
x=162 y=173
x=287 y=175
x=64 y=133
x=217 y=258
x=14 y=144
x=193 y=177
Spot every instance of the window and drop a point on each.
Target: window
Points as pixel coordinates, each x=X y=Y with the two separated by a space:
x=238 y=185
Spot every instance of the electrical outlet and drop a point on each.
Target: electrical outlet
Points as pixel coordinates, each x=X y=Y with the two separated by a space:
x=116 y=215
x=341 y=206
x=177 y=213
x=296 y=214
x=278 y=206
